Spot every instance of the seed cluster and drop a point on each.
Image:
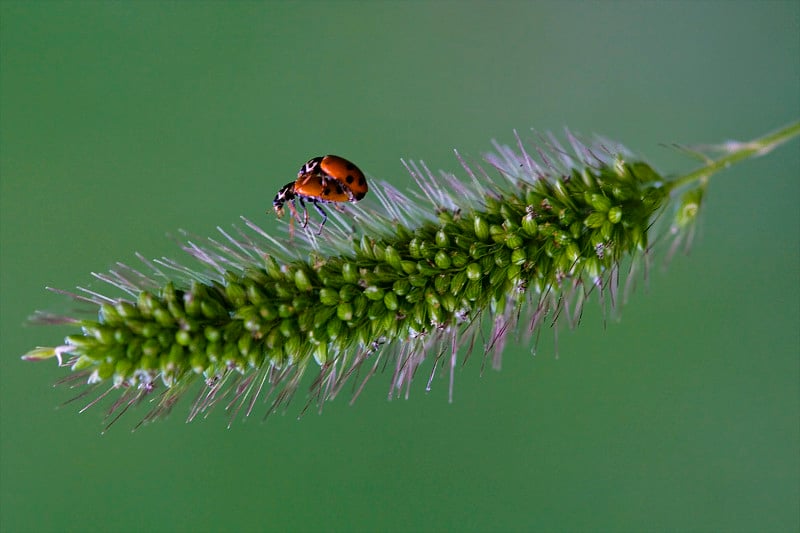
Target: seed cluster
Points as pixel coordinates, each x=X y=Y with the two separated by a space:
x=263 y=324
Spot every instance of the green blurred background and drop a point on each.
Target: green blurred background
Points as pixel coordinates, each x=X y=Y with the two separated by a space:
x=122 y=122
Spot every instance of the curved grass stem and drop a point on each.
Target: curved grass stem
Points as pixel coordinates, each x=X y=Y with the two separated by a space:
x=735 y=152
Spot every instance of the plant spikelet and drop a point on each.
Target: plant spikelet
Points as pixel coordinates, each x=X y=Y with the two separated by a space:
x=516 y=240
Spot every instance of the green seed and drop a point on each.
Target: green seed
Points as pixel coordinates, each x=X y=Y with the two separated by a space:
x=473 y=290
x=350 y=272
x=164 y=318
x=322 y=315
x=376 y=310
x=514 y=241
x=360 y=304
x=287 y=327
x=600 y=202
x=348 y=293
x=122 y=335
x=105 y=370
x=457 y=282
x=272 y=269
x=244 y=344
x=183 y=337
x=481 y=228
x=474 y=271
x=254 y=294
x=321 y=354
x=81 y=341
x=127 y=310
x=442 y=240
x=328 y=296
x=595 y=219
x=378 y=252
x=441 y=283
x=365 y=245
x=418 y=281
x=108 y=315
x=373 y=293
x=344 y=311
x=390 y=301
x=301 y=281
x=335 y=328
x=497 y=233
x=147 y=329
x=409 y=267
x=448 y=302
x=414 y=248
x=427 y=249
x=392 y=257
x=529 y=225
x=146 y=302
x=212 y=334
x=198 y=362
x=459 y=259
x=415 y=295
x=401 y=287
x=214 y=351
x=82 y=362
x=442 y=260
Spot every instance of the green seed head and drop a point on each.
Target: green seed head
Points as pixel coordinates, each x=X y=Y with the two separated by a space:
x=419 y=280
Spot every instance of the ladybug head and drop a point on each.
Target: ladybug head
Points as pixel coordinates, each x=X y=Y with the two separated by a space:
x=284 y=195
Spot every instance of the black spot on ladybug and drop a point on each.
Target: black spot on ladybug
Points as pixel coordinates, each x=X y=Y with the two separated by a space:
x=338 y=187
x=349 y=179
x=362 y=181
x=350 y=166
x=326 y=191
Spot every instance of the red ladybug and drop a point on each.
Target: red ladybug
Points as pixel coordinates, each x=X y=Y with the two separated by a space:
x=321 y=180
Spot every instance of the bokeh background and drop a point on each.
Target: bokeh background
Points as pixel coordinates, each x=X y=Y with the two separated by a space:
x=122 y=122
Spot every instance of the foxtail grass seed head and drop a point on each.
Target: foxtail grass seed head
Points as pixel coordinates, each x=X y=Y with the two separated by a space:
x=516 y=240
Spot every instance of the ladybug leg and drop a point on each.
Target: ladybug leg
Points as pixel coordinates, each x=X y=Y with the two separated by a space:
x=305 y=213
x=294 y=215
x=324 y=216
x=293 y=209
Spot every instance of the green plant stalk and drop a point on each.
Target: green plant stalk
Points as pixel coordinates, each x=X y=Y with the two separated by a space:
x=736 y=152
x=430 y=273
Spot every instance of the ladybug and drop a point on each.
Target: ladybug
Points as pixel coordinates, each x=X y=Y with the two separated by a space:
x=321 y=180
